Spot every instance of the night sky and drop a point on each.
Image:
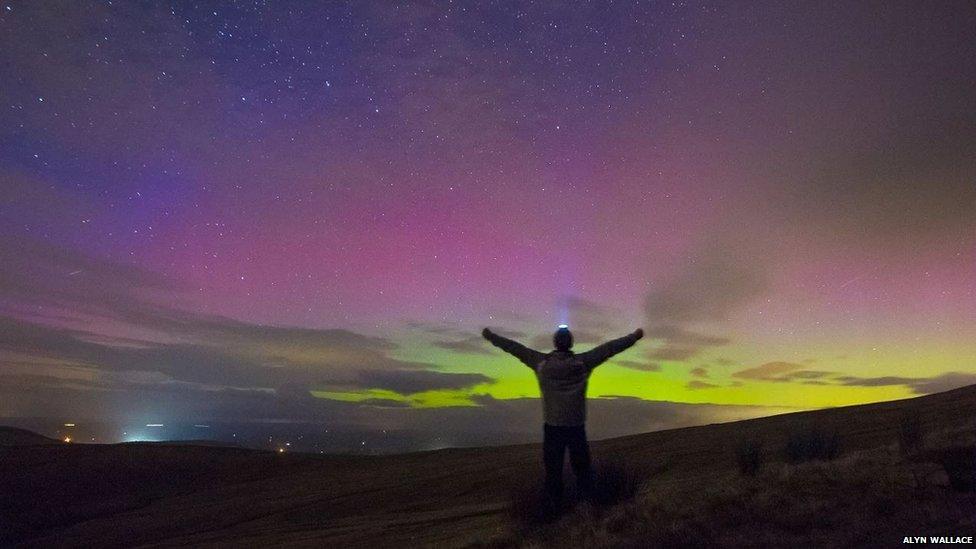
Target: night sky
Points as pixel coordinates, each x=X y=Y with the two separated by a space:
x=277 y=212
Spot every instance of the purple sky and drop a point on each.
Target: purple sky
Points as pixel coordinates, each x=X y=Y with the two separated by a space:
x=288 y=212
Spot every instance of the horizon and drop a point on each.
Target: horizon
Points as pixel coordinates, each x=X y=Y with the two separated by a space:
x=305 y=215
x=314 y=438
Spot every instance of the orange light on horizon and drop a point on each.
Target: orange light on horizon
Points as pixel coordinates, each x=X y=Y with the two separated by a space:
x=67 y=439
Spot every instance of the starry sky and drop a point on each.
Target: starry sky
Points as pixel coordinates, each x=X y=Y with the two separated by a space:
x=291 y=211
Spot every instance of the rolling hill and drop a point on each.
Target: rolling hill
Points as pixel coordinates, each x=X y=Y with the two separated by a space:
x=692 y=491
x=12 y=436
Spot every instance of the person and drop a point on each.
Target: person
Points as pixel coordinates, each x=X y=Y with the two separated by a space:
x=563 y=376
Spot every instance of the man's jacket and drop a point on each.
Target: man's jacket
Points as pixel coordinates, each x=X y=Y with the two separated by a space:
x=563 y=375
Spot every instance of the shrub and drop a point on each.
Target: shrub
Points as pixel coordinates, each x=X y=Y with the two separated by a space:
x=749 y=456
x=812 y=444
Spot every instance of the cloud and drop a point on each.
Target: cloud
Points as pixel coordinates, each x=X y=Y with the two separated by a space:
x=591 y=324
x=768 y=371
x=943 y=382
x=679 y=343
x=589 y=316
x=174 y=347
x=86 y=290
x=806 y=375
x=543 y=342
x=432 y=328
x=719 y=279
x=509 y=333
x=470 y=345
x=918 y=385
x=270 y=357
x=383 y=403
x=482 y=421
x=607 y=416
x=699 y=372
x=407 y=382
x=698 y=384
x=873 y=381
x=784 y=371
x=35 y=273
x=635 y=365
x=38 y=276
x=909 y=186
x=793 y=372
x=680 y=336
x=673 y=353
x=177 y=351
x=453 y=331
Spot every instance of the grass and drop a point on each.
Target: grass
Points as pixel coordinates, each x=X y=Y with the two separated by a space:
x=749 y=457
x=872 y=497
x=911 y=436
x=529 y=507
x=692 y=491
x=959 y=463
x=613 y=484
x=811 y=444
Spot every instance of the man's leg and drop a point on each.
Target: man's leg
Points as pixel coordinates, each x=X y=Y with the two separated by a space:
x=553 y=448
x=579 y=458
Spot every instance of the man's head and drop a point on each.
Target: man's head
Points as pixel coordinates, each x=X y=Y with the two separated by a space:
x=563 y=339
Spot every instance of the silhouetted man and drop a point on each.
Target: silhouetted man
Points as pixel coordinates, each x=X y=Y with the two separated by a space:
x=562 y=376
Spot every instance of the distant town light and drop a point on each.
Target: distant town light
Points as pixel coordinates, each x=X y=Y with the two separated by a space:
x=67 y=439
x=69 y=424
x=154 y=425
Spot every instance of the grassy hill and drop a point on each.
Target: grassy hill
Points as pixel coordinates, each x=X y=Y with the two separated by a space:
x=12 y=436
x=887 y=479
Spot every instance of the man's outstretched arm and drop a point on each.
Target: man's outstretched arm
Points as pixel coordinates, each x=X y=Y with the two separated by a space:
x=599 y=355
x=529 y=357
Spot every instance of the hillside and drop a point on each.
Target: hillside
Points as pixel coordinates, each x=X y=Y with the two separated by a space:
x=76 y=495
x=12 y=436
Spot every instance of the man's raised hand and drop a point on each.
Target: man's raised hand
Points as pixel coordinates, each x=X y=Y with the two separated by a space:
x=486 y=333
x=639 y=333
